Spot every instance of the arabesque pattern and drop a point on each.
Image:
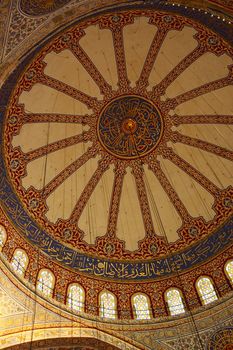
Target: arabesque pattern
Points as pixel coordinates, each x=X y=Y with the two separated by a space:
x=221 y=340
x=37 y=198
x=41 y=7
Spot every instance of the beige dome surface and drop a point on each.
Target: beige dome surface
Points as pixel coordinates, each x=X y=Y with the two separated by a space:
x=92 y=183
x=116 y=195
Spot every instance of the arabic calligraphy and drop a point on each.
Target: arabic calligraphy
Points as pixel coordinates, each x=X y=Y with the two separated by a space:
x=114 y=270
x=130 y=126
x=140 y=125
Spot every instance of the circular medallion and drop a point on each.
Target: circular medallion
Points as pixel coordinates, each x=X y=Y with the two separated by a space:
x=130 y=127
x=221 y=340
x=71 y=166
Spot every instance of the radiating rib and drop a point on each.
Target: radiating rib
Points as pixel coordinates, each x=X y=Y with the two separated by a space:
x=118 y=42
x=151 y=57
x=89 y=188
x=168 y=153
x=154 y=165
x=115 y=199
x=201 y=90
x=202 y=119
x=177 y=70
x=52 y=147
x=68 y=171
x=206 y=146
x=143 y=200
x=56 y=118
x=58 y=85
x=82 y=56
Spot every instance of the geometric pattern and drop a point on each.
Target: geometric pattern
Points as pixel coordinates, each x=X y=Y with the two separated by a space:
x=107 y=305
x=10 y=307
x=141 y=307
x=221 y=340
x=63 y=231
x=174 y=301
x=41 y=7
x=132 y=120
x=45 y=282
x=206 y=290
x=19 y=261
x=111 y=248
x=75 y=297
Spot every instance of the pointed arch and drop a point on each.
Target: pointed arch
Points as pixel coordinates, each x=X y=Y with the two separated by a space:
x=45 y=282
x=174 y=300
x=206 y=290
x=75 y=297
x=108 y=304
x=19 y=261
x=141 y=306
x=3 y=237
x=228 y=268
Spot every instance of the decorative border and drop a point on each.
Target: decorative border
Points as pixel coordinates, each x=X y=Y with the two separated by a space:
x=35 y=9
x=118 y=98
x=221 y=340
x=83 y=263
x=114 y=270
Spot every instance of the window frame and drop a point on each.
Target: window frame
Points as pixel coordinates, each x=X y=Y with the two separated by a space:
x=227 y=273
x=134 y=308
x=19 y=269
x=82 y=309
x=115 y=303
x=51 y=288
x=202 y=300
x=176 y=306
x=4 y=235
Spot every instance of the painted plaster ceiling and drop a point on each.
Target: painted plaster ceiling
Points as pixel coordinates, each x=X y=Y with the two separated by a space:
x=118 y=138
x=41 y=7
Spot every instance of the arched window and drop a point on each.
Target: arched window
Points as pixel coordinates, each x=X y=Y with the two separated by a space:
x=141 y=308
x=229 y=270
x=2 y=237
x=19 y=261
x=206 y=290
x=45 y=282
x=75 y=297
x=174 y=301
x=107 y=304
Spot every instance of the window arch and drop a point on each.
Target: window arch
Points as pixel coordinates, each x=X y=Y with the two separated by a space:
x=19 y=261
x=45 y=282
x=173 y=297
x=141 y=307
x=206 y=290
x=2 y=237
x=75 y=297
x=108 y=305
x=229 y=270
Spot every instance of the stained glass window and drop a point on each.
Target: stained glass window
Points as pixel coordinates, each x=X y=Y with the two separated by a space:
x=141 y=307
x=107 y=305
x=174 y=301
x=19 y=261
x=45 y=282
x=206 y=290
x=229 y=270
x=75 y=297
x=2 y=237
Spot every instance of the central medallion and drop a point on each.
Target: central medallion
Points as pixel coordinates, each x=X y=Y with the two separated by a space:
x=130 y=126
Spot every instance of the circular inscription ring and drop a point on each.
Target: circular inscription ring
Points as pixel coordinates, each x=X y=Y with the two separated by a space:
x=130 y=127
